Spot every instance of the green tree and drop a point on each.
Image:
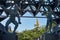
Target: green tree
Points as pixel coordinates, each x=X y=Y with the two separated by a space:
x=31 y=34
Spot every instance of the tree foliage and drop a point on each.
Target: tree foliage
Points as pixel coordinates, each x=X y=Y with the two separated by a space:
x=31 y=34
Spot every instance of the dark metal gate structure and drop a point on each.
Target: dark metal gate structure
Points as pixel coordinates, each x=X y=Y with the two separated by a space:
x=13 y=8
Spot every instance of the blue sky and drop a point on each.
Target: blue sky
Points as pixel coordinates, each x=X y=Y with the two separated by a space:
x=27 y=23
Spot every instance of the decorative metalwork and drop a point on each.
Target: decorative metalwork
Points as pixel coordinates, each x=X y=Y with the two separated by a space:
x=20 y=7
x=51 y=7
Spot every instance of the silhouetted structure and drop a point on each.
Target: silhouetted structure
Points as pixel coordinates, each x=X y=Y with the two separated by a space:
x=47 y=8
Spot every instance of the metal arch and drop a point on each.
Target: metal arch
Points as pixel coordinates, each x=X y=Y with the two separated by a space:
x=22 y=5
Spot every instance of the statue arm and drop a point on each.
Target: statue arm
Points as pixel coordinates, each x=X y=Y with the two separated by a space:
x=19 y=19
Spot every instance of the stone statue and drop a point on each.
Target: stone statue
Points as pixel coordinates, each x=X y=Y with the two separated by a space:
x=49 y=19
x=13 y=11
